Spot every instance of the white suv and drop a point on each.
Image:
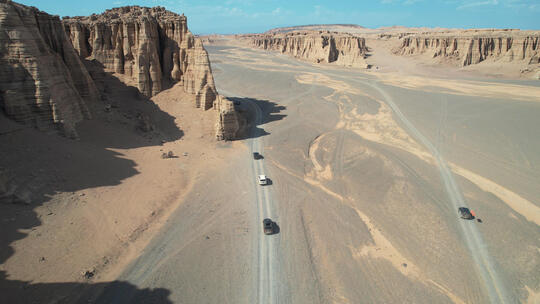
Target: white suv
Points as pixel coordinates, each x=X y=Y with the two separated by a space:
x=262 y=180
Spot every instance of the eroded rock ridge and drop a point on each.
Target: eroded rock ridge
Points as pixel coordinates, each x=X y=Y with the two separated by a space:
x=152 y=46
x=473 y=49
x=45 y=74
x=42 y=80
x=320 y=47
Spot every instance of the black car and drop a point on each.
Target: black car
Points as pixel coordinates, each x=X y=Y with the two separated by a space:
x=257 y=155
x=268 y=226
x=465 y=213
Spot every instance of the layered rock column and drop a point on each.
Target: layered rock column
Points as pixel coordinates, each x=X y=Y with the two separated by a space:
x=44 y=83
x=42 y=80
x=151 y=45
x=227 y=125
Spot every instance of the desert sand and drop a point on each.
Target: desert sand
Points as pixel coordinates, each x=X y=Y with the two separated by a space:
x=367 y=174
x=367 y=167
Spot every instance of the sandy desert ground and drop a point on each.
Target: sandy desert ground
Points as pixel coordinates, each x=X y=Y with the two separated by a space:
x=367 y=170
x=93 y=204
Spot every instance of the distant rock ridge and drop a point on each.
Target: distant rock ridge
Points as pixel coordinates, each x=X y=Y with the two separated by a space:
x=42 y=80
x=473 y=49
x=312 y=27
x=319 y=47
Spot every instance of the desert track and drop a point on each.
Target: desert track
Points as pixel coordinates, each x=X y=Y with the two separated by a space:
x=364 y=190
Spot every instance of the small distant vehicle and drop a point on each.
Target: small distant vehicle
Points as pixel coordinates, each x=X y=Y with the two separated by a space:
x=268 y=226
x=465 y=213
x=262 y=180
x=257 y=155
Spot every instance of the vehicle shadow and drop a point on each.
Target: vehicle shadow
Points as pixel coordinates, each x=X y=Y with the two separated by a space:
x=268 y=182
x=276 y=229
x=246 y=110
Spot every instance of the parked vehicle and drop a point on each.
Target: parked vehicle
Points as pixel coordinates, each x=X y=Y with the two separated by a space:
x=268 y=226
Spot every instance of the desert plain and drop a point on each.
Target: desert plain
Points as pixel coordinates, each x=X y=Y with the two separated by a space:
x=367 y=167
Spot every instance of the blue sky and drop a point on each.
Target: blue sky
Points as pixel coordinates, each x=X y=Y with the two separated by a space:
x=250 y=16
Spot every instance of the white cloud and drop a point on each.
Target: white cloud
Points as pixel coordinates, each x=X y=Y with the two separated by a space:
x=404 y=2
x=512 y=4
x=479 y=3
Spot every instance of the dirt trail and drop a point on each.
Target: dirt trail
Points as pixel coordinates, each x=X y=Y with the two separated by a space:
x=344 y=148
x=475 y=243
x=265 y=260
x=472 y=236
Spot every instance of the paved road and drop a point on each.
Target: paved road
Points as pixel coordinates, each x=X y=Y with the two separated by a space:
x=268 y=247
x=270 y=286
x=265 y=261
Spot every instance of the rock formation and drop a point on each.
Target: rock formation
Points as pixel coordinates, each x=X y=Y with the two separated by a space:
x=44 y=62
x=152 y=46
x=42 y=80
x=467 y=49
x=319 y=47
x=227 y=125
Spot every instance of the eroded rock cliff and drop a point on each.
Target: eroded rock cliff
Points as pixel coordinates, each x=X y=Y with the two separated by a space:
x=42 y=80
x=152 y=46
x=320 y=47
x=45 y=63
x=470 y=49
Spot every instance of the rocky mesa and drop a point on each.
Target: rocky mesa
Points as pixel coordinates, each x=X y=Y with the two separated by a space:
x=45 y=61
x=152 y=46
x=472 y=48
x=320 y=47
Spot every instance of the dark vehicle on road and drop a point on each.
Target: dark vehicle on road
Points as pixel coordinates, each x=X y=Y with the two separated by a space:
x=257 y=155
x=465 y=213
x=268 y=226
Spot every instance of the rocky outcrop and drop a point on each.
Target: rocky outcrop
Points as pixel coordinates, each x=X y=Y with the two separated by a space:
x=152 y=46
x=472 y=49
x=45 y=62
x=319 y=47
x=227 y=125
x=42 y=80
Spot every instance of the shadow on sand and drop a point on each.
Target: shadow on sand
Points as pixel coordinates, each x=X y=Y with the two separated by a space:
x=277 y=230
x=117 y=292
x=246 y=109
x=36 y=166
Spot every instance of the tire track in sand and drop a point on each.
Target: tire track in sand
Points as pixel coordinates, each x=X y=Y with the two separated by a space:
x=473 y=239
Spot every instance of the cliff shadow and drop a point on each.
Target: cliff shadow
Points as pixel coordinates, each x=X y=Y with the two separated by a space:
x=120 y=292
x=41 y=167
x=254 y=113
x=167 y=47
x=125 y=107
